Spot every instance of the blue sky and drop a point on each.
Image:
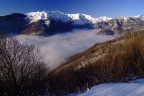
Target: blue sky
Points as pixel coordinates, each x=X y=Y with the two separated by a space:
x=96 y=8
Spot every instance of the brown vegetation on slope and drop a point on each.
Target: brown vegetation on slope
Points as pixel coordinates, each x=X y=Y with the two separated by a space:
x=113 y=61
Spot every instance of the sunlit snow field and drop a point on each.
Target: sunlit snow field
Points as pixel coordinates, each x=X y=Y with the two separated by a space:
x=134 y=88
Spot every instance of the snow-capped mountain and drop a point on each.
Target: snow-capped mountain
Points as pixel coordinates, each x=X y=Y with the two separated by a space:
x=54 y=22
x=53 y=15
x=35 y=16
x=78 y=19
x=103 y=19
x=81 y=19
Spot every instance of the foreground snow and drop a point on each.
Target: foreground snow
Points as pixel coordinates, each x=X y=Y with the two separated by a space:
x=134 y=88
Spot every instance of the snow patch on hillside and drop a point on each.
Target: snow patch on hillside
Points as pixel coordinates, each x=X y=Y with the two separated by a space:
x=116 y=89
x=35 y=16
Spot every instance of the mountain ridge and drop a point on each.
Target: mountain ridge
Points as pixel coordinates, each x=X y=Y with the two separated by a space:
x=55 y=22
x=57 y=15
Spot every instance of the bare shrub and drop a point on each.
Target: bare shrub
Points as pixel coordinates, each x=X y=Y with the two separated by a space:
x=22 y=71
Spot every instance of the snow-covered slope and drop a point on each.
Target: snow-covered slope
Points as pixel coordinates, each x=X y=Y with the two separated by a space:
x=103 y=19
x=81 y=19
x=57 y=15
x=78 y=19
x=135 y=88
x=35 y=16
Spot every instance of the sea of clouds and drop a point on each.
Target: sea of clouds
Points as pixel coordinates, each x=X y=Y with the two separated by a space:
x=57 y=49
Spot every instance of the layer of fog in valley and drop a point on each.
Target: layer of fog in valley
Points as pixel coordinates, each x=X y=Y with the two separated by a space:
x=58 y=48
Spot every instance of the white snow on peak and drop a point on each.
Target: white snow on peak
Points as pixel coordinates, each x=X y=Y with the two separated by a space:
x=57 y=15
x=90 y=18
x=103 y=18
x=74 y=16
x=81 y=16
x=123 y=17
x=139 y=16
x=126 y=18
x=35 y=16
x=79 y=19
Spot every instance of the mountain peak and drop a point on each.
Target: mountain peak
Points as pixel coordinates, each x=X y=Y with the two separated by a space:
x=55 y=15
x=58 y=15
x=35 y=16
x=78 y=18
x=103 y=18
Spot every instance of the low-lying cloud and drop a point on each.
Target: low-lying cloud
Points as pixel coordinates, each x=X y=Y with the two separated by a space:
x=58 y=48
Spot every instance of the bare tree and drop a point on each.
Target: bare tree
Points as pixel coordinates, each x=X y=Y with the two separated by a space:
x=22 y=71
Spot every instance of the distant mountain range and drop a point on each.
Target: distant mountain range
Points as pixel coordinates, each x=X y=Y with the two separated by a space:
x=54 y=22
